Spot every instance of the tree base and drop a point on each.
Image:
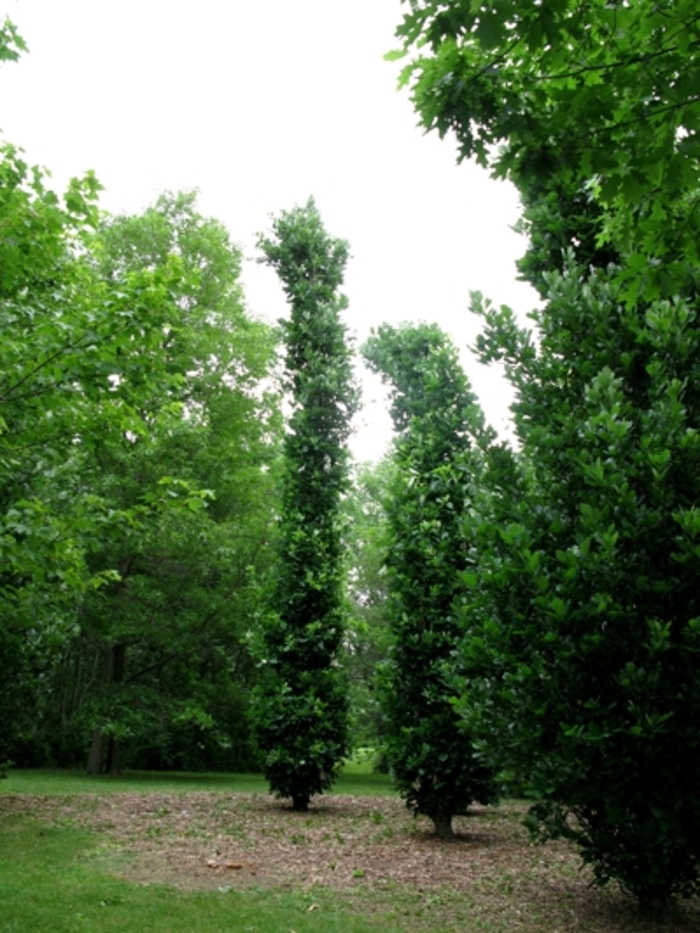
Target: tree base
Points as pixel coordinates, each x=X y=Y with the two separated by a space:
x=443 y=825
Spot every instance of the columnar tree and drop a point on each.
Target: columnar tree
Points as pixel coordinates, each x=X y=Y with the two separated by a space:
x=301 y=710
x=587 y=597
x=587 y=594
x=437 y=420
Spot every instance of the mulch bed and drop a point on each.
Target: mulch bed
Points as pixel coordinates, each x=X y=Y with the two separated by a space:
x=345 y=843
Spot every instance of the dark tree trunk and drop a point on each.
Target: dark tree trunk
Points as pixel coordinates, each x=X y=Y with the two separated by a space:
x=112 y=766
x=301 y=804
x=112 y=673
x=94 y=765
x=443 y=825
x=118 y=665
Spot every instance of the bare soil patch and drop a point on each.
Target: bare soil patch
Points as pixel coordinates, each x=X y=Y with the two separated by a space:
x=350 y=845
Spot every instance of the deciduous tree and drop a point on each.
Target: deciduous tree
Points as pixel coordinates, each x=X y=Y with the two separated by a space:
x=585 y=603
x=302 y=705
x=600 y=100
x=437 y=462
x=182 y=601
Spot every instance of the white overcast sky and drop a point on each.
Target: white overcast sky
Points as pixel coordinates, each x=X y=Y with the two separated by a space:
x=260 y=104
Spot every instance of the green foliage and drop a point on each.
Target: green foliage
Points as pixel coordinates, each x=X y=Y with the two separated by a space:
x=78 y=359
x=183 y=600
x=73 y=356
x=436 y=468
x=301 y=710
x=135 y=489
x=583 y=604
x=602 y=102
x=367 y=635
x=587 y=597
x=11 y=43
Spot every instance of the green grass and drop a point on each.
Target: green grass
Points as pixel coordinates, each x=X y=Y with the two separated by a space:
x=55 y=880
x=51 y=781
x=356 y=778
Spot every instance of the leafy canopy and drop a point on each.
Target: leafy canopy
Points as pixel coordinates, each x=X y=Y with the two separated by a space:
x=583 y=603
x=604 y=96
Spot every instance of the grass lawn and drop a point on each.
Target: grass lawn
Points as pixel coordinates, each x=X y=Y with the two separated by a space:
x=203 y=853
x=357 y=778
x=59 y=880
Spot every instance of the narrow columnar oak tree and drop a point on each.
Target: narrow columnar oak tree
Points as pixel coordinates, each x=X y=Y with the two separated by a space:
x=587 y=601
x=437 y=421
x=301 y=707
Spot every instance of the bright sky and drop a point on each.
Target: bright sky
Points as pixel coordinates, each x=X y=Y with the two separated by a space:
x=260 y=104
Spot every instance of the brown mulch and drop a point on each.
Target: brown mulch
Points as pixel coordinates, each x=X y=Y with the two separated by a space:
x=344 y=843
x=193 y=839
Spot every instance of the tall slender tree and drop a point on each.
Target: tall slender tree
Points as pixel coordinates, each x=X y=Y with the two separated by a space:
x=302 y=709
x=437 y=420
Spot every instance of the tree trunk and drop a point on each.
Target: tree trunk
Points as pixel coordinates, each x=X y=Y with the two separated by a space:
x=118 y=665
x=301 y=804
x=112 y=766
x=443 y=825
x=112 y=673
x=94 y=765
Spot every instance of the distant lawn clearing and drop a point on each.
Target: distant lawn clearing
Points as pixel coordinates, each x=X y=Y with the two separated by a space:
x=125 y=858
x=357 y=778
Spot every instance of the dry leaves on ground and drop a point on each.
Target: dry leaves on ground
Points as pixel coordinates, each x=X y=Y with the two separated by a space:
x=208 y=840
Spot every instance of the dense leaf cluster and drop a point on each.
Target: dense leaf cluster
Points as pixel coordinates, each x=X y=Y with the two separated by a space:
x=436 y=418
x=301 y=708
x=127 y=406
x=134 y=430
x=603 y=96
x=584 y=611
x=586 y=602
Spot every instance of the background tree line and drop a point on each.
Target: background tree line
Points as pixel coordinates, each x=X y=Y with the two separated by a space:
x=139 y=440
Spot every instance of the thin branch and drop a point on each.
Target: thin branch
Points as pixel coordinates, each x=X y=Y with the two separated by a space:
x=649 y=116
x=584 y=69
x=76 y=345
